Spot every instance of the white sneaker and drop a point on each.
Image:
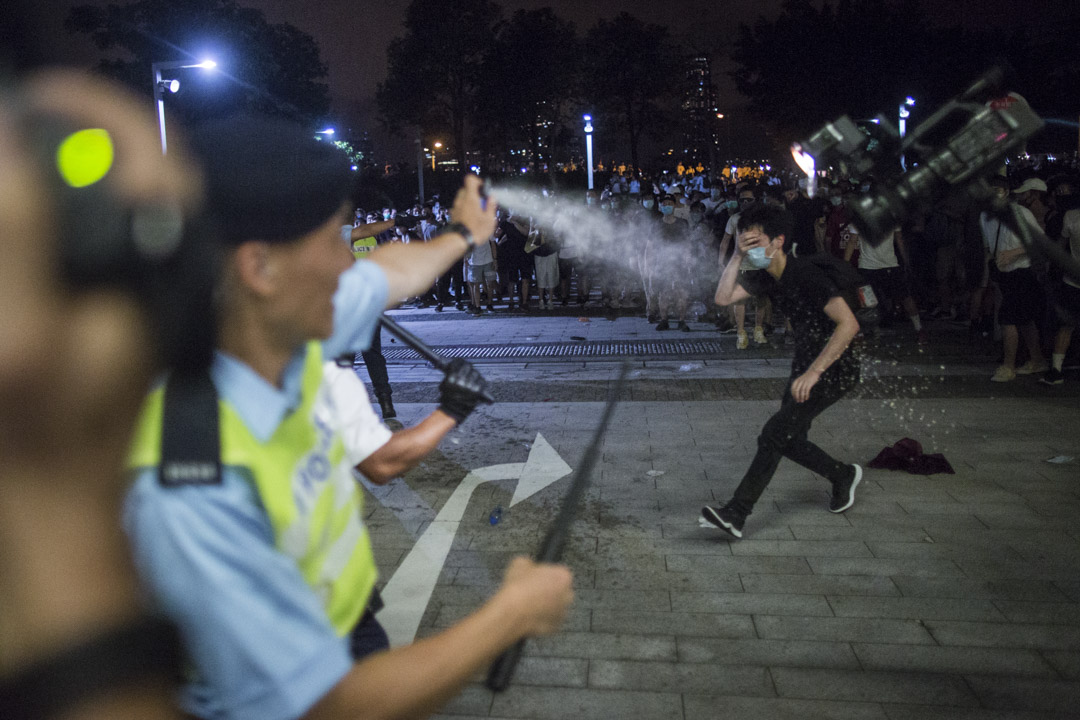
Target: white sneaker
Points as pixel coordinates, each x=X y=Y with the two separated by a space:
x=1030 y=368
x=1003 y=374
x=759 y=336
x=743 y=341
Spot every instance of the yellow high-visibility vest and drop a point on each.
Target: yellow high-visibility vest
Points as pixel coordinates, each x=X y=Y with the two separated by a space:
x=306 y=488
x=363 y=246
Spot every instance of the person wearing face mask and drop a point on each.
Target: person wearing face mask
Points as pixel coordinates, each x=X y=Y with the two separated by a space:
x=1021 y=295
x=747 y=196
x=704 y=269
x=668 y=262
x=823 y=370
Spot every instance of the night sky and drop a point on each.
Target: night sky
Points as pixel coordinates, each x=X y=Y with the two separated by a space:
x=353 y=34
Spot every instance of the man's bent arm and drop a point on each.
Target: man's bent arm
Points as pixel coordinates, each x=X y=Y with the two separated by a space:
x=729 y=291
x=406 y=448
x=847 y=327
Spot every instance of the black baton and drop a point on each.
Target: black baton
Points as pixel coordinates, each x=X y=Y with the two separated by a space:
x=423 y=349
x=551 y=549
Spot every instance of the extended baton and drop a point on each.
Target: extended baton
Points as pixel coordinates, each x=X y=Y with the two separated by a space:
x=551 y=549
x=423 y=349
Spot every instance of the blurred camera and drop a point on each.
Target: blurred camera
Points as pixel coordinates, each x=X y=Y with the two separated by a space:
x=961 y=143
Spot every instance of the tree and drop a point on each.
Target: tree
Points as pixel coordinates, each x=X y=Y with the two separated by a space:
x=862 y=57
x=811 y=64
x=630 y=68
x=434 y=69
x=529 y=80
x=272 y=68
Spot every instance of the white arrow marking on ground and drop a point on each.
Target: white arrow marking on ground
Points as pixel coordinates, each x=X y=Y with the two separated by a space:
x=408 y=592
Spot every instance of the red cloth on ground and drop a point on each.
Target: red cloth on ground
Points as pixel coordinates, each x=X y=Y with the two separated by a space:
x=908 y=455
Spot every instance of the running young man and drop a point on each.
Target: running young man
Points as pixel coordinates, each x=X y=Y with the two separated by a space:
x=823 y=371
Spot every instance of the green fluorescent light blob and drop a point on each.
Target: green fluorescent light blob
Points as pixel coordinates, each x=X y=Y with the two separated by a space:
x=84 y=157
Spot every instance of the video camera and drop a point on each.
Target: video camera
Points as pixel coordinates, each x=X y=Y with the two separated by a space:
x=960 y=144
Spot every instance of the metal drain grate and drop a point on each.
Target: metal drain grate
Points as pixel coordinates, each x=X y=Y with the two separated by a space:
x=561 y=351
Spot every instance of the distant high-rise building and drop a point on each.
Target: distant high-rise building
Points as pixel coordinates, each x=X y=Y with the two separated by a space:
x=699 y=108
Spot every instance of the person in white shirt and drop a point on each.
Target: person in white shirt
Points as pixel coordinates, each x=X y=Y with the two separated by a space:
x=880 y=267
x=1021 y=293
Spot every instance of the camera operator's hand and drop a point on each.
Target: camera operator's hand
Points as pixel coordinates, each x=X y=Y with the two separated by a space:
x=468 y=210
x=461 y=390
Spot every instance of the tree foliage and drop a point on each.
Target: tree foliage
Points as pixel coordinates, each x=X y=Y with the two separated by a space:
x=812 y=64
x=632 y=73
x=531 y=76
x=264 y=67
x=434 y=69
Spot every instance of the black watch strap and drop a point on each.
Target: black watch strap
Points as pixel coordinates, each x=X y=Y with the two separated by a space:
x=146 y=649
x=460 y=229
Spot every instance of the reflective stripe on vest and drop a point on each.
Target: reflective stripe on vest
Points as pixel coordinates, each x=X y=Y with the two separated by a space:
x=363 y=246
x=304 y=481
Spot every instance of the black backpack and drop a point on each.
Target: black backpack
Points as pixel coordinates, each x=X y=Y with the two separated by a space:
x=856 y=292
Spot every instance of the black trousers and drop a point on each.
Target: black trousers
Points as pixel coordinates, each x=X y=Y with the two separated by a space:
x=785 y=436
x=376 y=365
x=368 y=636
x=452 y=281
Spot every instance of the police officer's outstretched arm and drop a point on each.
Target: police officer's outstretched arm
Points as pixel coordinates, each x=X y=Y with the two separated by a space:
x=415 y=680
x=411 y=269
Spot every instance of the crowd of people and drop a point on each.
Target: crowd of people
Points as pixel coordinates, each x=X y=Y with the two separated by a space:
x=207 y=527
x=676 y=234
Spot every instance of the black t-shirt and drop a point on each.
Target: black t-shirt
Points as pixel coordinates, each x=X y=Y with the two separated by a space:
x=801 y=294
x=804 y=212
x=513 y=242
x=675 y=232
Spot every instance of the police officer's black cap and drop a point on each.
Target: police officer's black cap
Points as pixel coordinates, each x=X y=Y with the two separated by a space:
x=269 y=179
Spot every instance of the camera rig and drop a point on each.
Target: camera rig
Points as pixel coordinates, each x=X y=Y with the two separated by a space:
x=959 y=146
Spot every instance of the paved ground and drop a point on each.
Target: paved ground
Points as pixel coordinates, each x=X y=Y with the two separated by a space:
x=948 y=596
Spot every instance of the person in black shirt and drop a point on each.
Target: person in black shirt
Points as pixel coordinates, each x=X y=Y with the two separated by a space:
x=823 y=371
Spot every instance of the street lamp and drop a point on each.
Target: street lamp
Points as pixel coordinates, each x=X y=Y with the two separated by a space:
x=435 y=147
x=162 y=86
x=420 y=165
x=904 y=115
x=328 y=132
x=588 y=147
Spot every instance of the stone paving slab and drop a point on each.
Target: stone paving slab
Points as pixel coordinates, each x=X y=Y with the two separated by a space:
x=943 y=597
x=873 y=686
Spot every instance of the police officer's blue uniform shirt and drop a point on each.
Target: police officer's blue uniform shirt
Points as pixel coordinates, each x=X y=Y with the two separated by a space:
x=255 y=630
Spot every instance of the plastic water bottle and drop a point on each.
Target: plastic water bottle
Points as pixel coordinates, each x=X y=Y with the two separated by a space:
x=496 y=516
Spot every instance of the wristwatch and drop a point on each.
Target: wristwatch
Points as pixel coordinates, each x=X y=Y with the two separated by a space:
x=460 y=229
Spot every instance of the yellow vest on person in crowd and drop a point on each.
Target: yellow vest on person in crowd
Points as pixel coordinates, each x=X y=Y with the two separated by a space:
x=306 y=487
x=363 y=246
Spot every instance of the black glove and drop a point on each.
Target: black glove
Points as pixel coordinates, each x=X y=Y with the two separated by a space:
x=462 y=390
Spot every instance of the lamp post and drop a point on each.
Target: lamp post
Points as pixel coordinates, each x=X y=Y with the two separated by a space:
x=420 y=165
x=160 y=86
x=904 y=113
x=434 y=147
x=588 y=147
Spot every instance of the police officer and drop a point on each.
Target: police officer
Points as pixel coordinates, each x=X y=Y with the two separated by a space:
x=266 y=566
